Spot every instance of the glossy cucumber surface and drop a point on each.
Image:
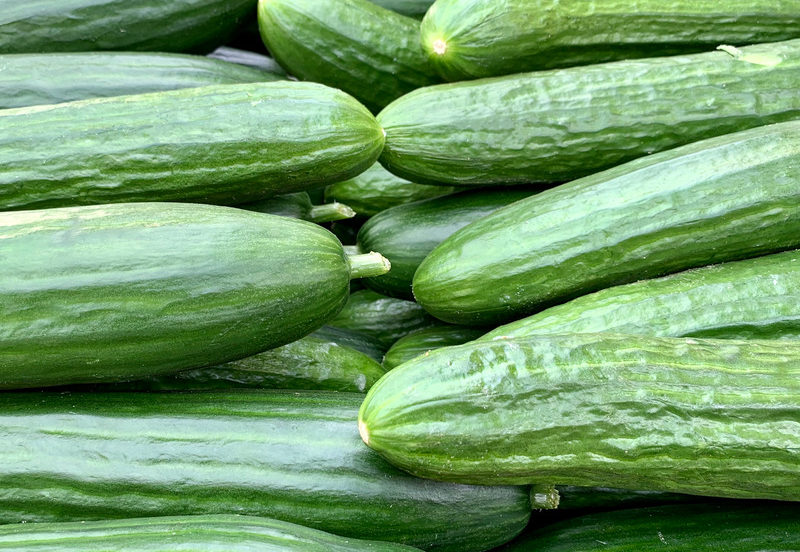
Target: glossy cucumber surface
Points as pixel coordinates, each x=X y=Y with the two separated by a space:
x=247 y=58
x=426 y=340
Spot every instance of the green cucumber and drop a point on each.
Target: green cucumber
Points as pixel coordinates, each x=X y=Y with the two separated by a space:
x=426 y=340
x=376 y=189
x=294 y=456
x=411 y=8
x=196 y=26
x=572 y=497
x=467 y=39
x=116 y=292
x=186 y=533
x=558 y=125
x=706 y=417
x=368 y=51
x=405 y=234
x=216 y=144
x=688 y=207
x=298 y=205
x=755 y=298
x=384 y=319
x=350 y=338
x=765 y=527
x=248 y=58
x=36 y=79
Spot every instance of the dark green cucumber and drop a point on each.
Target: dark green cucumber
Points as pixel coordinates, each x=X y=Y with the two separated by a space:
x=185 y=533
x=376 y=189
x=217 y=144
x=196 y=26
x=553 y=126
x=384 y=319
x=298 y=205
x=706 y=417
x=426 y=340
x=747 y=527
x=411 y=8
x=351 y=339
x=468 y=39
x=294 y=456
x=572 y=497
x=405 y=234
x=755 y=298
x=248 y=58
x=688 y=207
x=36 y=79
x=116 y=292
x=370 y=52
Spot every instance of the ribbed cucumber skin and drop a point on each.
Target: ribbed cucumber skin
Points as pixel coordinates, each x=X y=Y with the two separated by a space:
x=197 y=26
x=765 y=527
x=706 y=417
x=564 y=124
x=484 y=38
x=248 y=58
x=376 y=189
x=412 y=8
x=216 y=144
x=231 y=533
x=755 y=298
x=405 y=234
x=425 y=340
x=293 y=456
x=116 y=292
x=37 y=79
x=370 y=52
x=688 y=207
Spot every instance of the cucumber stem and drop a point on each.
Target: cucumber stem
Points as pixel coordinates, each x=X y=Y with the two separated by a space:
x=367 y=264
x=544 y=497
x=328 y=212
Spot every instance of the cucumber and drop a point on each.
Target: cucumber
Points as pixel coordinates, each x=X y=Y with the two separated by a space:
x=609 y=498
x=755 y=298
x=196 y=26
x=706 y=417
x=368 y=51
x=36 y=79
x=745 y=527
x=426 y=340
x=248 y=58
x=558 y=125
x=186 y=533
x=411 y=8
x=405 y=234
x=467 y=39
x=214 y=144
x=384 y=319
x=298 y=205
x=116 y=292
x=689 y=207
x=352 y=339
x=294 y=456
x=376 y=189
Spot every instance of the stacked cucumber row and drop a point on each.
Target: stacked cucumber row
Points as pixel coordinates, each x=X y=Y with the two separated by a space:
x=385 y=275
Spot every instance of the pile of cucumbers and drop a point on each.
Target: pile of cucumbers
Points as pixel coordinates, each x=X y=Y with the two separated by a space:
x=395 y=275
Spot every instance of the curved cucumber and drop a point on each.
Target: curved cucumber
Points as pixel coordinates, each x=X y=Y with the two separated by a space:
x=186 y=533
x=294 y=456
x=196 y=26
x=688 y=207
x=376 y=189
x=468 y=39
x=351 y=339
x=426 y=340
x=116 y=292
x=707 y=417
x=368 y=51
x=755 y=298
x=405 y=234
x=553 y=126
x=217 y=144
x=248 y=59
x=298 y=205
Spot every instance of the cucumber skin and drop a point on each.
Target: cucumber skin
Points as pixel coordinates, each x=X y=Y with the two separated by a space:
x=38 y=79
x=187 y=533
x=296 y=205
x=248 y=58
x=354 y=45
x=195 y=26
x=487 y=38
x=351 y=338
x=574 y=498
x=411 y=8
x=405 y=234
x=204 y=144
x=750 y=299
x=553 y=126
x=766 y=527
x=125 y=291
x=294 y=456
x=689 y=207
x=706 y=417
x=426 y=340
